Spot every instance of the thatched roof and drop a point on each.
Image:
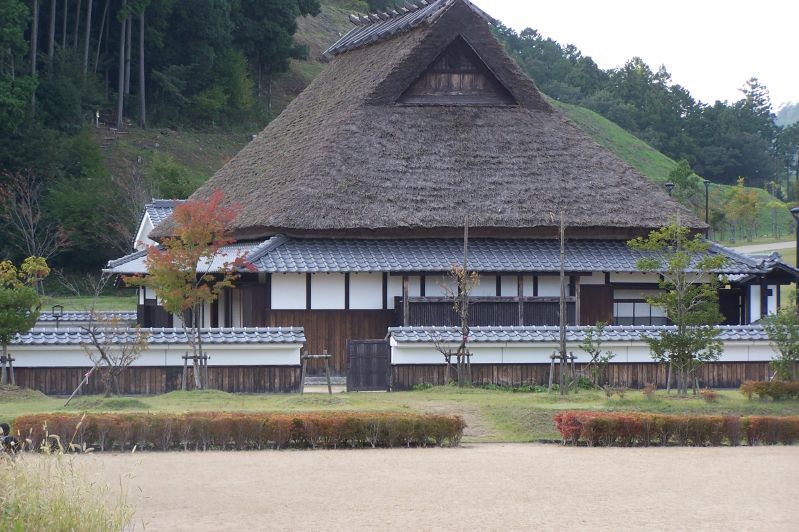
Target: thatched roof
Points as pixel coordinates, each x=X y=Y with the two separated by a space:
x=345 y=158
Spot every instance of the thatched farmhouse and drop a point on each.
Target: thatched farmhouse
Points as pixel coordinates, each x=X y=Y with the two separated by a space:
x=351 y=204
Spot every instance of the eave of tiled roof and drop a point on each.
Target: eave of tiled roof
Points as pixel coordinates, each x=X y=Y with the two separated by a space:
x=230 y=336
x=548 y=334
x=87 y=316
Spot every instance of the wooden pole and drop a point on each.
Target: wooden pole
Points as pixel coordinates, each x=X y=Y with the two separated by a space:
x=562 y=306
x=185 y=371
x=11 y=370
x=84 y=381
x=551 y=371
x=327 y=372
x=302 y=374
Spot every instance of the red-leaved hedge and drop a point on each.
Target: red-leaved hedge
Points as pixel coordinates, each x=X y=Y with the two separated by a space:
x=643 y=429
x=233 y=430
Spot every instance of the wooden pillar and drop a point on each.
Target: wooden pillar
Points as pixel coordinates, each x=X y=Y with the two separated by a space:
x=520 y=291
x=405 y=306
x=763 y=297
x=577 y=300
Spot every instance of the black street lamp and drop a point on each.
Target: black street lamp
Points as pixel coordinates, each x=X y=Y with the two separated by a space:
x=58 y=313
x=707 y=201
x=669 y=186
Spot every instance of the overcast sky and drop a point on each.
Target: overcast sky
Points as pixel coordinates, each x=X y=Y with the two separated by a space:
x=711 y=47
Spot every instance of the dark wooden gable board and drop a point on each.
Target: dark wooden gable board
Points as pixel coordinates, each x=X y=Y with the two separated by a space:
x=457 y=77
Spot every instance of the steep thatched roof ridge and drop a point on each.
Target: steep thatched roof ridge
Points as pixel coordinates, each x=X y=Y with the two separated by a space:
x=345 y=159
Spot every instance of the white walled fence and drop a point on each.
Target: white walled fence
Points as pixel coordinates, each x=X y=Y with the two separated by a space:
x=521 y=355
x=240 y=360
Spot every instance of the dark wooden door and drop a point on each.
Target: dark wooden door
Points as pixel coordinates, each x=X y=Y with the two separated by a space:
x=368 y=365
x=731 y=306
x=596 y=304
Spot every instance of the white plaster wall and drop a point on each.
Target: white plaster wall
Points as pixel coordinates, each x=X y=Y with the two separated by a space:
x=288 y=291
x=366 y=291
x=141 y=240
x=634 y=277
x=236 y=296
x=754 y=303
x=394 y=289
x=549 y=286
x=772 y=299
x=327 y=291
x=528 y=284
x=539 y=353
x=594 y=278
x=140 y=294
x=487 y=286
x=29 y=356
x=626 y=293
x=414 y=286
x=438 y=286
x=510 y=286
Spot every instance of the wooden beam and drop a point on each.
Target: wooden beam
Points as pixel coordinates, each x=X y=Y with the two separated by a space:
x=520 y=295
x=405 y=306
x=577 y=301
x=307 y=291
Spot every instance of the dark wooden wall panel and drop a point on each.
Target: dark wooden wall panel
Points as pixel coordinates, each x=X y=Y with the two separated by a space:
x=330 y=329
x=632 y=375
x=596 y=304
x=155 y=380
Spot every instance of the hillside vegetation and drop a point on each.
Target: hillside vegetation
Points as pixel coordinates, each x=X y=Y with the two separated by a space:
x=217 y=71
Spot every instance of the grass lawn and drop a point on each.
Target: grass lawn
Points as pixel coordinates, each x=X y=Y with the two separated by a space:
x=104 y=303
x=492 y=415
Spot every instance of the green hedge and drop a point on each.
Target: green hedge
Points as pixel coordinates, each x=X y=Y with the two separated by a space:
x=776 y=390
x=643 y=429
x=229 y=430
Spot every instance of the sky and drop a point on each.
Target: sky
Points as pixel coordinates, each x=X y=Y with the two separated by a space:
x=710 y=47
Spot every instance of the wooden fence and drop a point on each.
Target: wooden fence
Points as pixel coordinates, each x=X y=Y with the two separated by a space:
x=155 y=380
x=631 y=375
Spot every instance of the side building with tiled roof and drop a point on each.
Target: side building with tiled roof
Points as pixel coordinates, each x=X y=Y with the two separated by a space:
x=351 y=203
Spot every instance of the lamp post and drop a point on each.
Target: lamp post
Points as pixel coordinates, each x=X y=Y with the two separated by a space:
x=707 y=201
x=669 y=187
x=58 y=313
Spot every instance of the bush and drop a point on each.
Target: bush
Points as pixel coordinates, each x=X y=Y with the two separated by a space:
x=710 y=396
x=649 y=390
x=643 y=429
x=230 y=430
x=776 y=390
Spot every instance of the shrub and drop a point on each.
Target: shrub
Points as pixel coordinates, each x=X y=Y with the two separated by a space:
x=230 y=430
x=643 y=429
x=710 y=396
x=649 y=390
x=776 y=390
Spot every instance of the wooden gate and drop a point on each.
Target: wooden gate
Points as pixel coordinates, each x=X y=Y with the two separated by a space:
x=368 y=366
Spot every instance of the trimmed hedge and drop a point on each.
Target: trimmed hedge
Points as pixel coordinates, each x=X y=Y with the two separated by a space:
x=628 y=429
x=776 y=390
x=229 y=430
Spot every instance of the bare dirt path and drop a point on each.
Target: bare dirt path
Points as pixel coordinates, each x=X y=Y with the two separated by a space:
x=493 y=487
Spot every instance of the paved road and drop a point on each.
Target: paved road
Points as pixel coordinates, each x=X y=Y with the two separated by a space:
x=762 y=248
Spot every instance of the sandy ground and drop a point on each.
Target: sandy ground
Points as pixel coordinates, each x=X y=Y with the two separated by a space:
x=488 y=487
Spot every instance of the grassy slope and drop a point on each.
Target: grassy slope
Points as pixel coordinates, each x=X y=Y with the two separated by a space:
x=492 y=416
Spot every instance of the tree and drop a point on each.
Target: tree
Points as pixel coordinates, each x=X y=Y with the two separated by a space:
x=179 y=269
x=19 y=302
x=463 y=282
x=113 y=348
x=743 y=205
x=592 y=344
x=689 y=296
x=782 y=329
x=20 y=199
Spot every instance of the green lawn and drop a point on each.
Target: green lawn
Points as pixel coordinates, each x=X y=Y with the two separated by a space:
x=492 y=416
x=126 y=302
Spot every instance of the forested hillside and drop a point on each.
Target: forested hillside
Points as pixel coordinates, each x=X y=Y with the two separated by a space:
x=107 y=103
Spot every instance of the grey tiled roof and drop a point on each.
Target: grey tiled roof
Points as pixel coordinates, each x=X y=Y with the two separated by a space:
x=375 y=27
x=280 y=254
x=86 y=316
x=255 y=336
x=547 y=334
x=161 y=209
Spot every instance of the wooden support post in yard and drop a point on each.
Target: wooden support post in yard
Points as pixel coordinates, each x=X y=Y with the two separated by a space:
x=551 y=371
x=520 y=293
x=327 y=372
x=303 y=364
x=84 y=381
x=185 y=371
x=405 y=304
x=7 y=368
